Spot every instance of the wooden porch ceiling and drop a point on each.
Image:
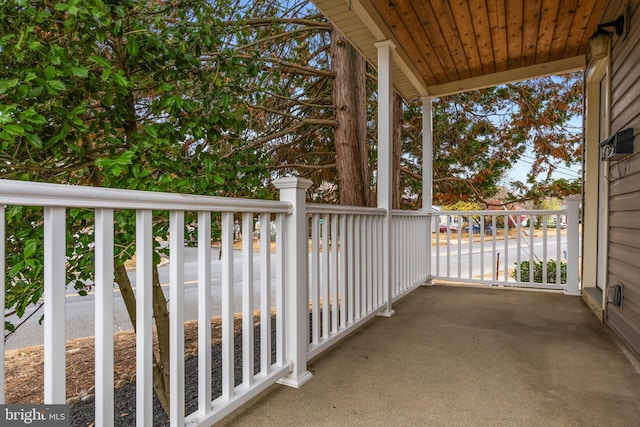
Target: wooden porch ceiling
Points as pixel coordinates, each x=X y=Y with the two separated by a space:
x=448 y=46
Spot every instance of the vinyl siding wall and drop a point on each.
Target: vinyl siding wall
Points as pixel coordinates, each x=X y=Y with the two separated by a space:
x=624 y=179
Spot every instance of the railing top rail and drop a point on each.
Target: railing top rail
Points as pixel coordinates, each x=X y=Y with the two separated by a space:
x=24 y=193
x=320 y=208
x=504 y=212
x=400 y=212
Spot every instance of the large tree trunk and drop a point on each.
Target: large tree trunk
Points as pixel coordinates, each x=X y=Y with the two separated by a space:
x=161 y=362
x=397 y=151
x=350 y=134
x=161 y=317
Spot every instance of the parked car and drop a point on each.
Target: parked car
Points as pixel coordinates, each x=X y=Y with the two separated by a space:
x=475 y=228
x=453 y=228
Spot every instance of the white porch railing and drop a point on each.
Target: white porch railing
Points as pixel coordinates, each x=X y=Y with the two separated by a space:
x=410 y=250
x=329 y=280
x=346 y=285
x=56 y=199
x=523 y=248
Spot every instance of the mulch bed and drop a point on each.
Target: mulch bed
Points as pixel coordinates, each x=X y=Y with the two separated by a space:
x=82 y=413
x=25 y=368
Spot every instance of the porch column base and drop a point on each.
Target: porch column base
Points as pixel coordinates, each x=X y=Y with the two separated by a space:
x=387 y=313
x=572 y=293
x=296 y=381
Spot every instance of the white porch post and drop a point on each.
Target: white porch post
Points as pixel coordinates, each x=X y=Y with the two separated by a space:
x=296 y=304
x=427 y=172
x=427 y=153
x=573 y=245
x=385 y=177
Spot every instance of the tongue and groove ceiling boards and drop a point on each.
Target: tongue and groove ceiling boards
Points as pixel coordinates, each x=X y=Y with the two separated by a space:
x=448 y=46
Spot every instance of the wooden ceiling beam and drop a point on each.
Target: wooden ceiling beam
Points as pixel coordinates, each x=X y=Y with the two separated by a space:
x=562 y=66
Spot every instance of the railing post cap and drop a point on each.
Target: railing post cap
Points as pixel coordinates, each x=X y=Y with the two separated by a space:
x=574 y=198
x=292 y=182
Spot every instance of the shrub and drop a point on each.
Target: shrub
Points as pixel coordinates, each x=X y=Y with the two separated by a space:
x=524 y=269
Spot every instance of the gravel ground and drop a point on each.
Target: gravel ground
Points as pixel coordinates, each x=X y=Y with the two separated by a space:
x=82 y=414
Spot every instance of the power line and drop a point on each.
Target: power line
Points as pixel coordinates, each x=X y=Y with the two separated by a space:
x=556 y=168
x=566 y=171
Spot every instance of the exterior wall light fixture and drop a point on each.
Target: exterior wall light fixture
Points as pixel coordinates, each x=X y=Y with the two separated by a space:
x=599 y=41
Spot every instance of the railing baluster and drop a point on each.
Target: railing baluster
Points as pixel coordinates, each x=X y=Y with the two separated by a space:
x=379 y=258
x=350 y=269
x=409 y=252
x=422 y=257
x=399 y=258
x=280 y=289
x=437 y=232
x=482 y=235
x=204 y=312
x=428 y=248
x=411 y=224
x=54 y=305
x=334 y=273
x=558 y=251
x=506 y=248
x=414 y=252
x=531 y=251
x=315 y=278
x=494 y=239
x=395 y=256
x=377 y=276
x=545 y=256
x=265 y=294
x=343 y=272
x=405 y=260
x=459 y=247
x=470 y=238
x=417 y=248
x=448 y=246
x=377 y=261
x=176 y=317
x=247 y=299
x=325 y=276
x=358 y=266
x=103 y=317
x=518 y=249
x=370 y=264
x=363 y=267
x=227 y=306
x=144 y=317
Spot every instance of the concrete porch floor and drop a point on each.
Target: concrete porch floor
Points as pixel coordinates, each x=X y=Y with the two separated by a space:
x=460 y=356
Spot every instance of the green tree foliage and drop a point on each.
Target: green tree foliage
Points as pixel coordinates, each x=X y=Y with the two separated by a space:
x=127 y=94
x=292 y=113
x=480 y=135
